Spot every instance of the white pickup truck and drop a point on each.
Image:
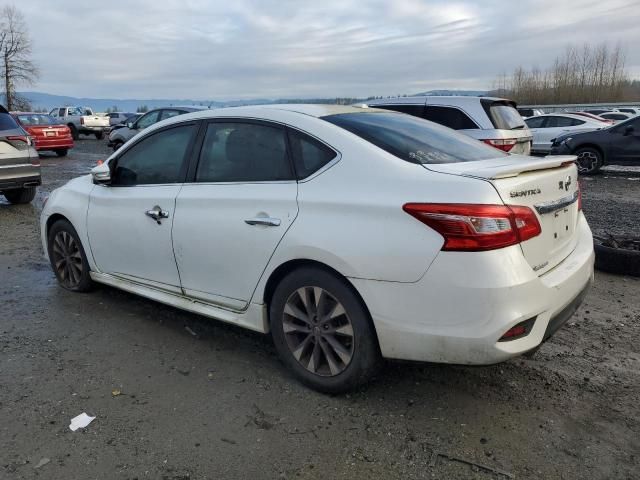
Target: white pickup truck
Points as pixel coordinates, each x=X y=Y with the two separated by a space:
x=81 y=120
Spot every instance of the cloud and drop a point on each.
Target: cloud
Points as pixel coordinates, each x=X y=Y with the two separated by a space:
x=299 y=48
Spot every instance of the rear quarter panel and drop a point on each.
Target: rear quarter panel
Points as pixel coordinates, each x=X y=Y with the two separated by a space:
x=351 y=218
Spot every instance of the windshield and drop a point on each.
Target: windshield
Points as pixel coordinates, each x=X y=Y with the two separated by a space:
x=413 y=139
x=31 y=119
x=504 y=116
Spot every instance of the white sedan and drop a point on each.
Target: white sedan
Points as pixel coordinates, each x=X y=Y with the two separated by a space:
x=349 y=234
x=545 y=128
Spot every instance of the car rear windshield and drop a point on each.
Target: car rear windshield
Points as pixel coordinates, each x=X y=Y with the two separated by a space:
x=503 y=115
x=413 y=139
x=32 y=119
x=7 y=122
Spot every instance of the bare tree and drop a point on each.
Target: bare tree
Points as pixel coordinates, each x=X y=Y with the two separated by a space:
x=16 y=66
x=579 y=75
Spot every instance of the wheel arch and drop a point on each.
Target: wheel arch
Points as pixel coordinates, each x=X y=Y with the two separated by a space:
x=53 y=219
x=595 y=147
x=289 y=266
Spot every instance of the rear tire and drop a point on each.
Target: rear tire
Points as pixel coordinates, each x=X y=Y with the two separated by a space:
x=589 y=160
x=322 y=331
x=67 y=257
x=20 y=195
x=74 y=132
x=62 y=152
x=117 y=144
x=99 y=135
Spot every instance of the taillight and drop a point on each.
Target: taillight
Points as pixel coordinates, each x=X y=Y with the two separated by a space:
x=473 y=228
x=20 y=142
x=504 y=144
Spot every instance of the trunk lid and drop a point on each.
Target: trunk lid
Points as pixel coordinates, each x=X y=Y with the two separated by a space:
x=549 y=186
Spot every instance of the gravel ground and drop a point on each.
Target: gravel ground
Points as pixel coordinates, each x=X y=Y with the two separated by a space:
x=200 y=399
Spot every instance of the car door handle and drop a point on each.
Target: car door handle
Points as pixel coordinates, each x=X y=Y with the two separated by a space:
x=267 y=221
x=157 y=214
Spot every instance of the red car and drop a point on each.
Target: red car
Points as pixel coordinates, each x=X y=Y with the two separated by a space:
x=46 y=132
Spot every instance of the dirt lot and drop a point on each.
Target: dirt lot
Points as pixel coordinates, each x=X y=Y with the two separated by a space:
x=200 y=399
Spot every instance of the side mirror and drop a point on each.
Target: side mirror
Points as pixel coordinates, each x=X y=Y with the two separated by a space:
x=130 y=126
x=101 y=174
x=628 y=130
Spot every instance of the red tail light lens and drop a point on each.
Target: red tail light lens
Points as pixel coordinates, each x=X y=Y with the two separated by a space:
x=20 y=142
x=473 y=228
x=504 y=144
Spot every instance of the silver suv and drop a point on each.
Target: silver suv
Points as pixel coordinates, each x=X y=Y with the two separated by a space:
x=19 y=161
x=494 y=121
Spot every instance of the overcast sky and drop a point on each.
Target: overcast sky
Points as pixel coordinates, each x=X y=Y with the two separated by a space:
x=233 y=49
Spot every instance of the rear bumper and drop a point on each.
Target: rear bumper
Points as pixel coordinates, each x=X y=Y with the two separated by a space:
x=53 y=144
x=20 y=182
x=91 y=129
x=466 y=301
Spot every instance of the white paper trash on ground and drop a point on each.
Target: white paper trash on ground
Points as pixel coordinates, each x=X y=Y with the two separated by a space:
x=80 y=421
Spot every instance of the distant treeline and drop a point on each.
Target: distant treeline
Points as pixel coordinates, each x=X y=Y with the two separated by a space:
x=587 y=74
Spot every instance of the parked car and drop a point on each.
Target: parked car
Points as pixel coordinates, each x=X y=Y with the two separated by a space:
x=130 y=119
x=616 y=116
x=118 y=117
x=593 y=117
x=618 y=144
x=348 y=233
x=529 y=112
x=598 y=111
x=494 y=121
x=81 y=120
x=47 y=133
x=547 y=127
x=120 y=136
x=19 y=161
x=630 y=110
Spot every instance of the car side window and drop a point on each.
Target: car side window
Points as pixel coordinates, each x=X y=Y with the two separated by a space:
x=147 y=120
x=555 y=122
x=449 y=117
x=535 y=122
x=415 y=110
x=243 y=152
x=309 y=155
x=53 y=113
x=61 y=112
x=575 y=122
x=169 y=113
x=157 y=159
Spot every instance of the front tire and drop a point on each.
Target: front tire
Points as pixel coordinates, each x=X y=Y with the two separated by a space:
x=20 y=195
x=322 y=331
x=67 y=257
x=117 y=144
x=589 y=160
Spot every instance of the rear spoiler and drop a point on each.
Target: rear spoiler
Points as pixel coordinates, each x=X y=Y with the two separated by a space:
x=510 y=166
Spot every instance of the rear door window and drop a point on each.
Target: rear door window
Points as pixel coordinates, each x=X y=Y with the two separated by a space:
x=503 y=115
x=535 y=122
x=170 y=113
x=558 y=122
x=309 y=155
x=449 y=117
x=244 y=152
x=415 y=110
x=413 y=139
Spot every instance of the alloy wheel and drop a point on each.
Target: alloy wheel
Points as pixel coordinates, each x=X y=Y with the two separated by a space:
x=318 y=331
x=67 y=259
x=587 y=161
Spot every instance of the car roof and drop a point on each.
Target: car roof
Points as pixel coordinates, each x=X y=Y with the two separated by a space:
x=312 y=110
x=563 y=114
x=28 y=113
x=436 y=99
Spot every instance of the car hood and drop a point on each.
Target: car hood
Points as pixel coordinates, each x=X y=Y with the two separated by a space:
x=582 y=133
